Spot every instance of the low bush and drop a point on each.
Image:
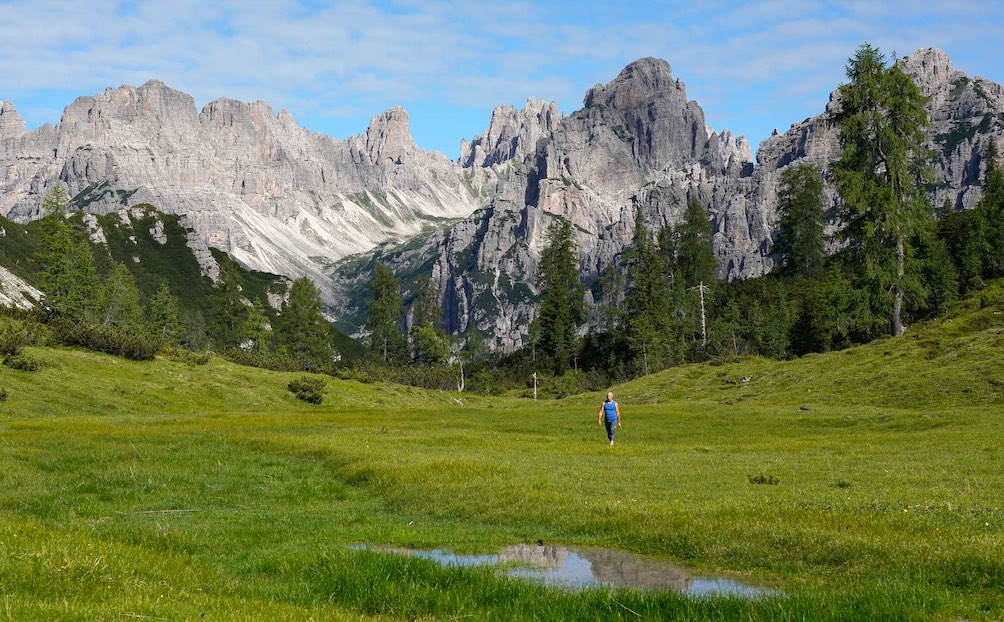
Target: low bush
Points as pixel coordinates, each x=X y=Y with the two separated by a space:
x=132 y=343
x=276 y=361
x=310 y=390
x=22 y=362
x=13 y=339
x=186 y=356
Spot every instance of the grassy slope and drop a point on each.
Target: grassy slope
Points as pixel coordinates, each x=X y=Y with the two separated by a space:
x=167 y=490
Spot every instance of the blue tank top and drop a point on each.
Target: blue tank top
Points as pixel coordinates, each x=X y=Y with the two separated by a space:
x=610 y=409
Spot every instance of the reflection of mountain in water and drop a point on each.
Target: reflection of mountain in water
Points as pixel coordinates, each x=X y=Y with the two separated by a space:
x=536 y=555
x=619 y=569
x=585 y=568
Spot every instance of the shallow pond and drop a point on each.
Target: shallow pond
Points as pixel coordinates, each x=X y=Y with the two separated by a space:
x=567 y=567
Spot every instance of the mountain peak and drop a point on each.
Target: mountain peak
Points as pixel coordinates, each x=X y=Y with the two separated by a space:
x=388 y=136
x=512 y=133
x=929 y=67
x=643 y=76
x=11 y=123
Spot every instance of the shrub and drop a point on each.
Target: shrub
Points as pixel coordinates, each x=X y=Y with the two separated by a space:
x=132 y=343
x=276 y=361
x=188 y=357
x=13 y=339
x=308 y=389
x=22 y=362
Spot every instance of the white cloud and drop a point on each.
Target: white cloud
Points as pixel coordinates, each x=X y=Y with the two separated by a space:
x=353 y=57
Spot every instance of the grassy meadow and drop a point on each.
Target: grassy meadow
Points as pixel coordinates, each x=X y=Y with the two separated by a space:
x=168 y=490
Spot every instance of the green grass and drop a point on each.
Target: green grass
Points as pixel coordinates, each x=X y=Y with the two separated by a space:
x=177 y=491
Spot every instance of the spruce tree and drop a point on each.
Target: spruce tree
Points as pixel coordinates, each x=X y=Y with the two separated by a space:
x=302 y=329
x=882 y=120
x=162 y=314
x=561 y=308
x=648 y=305
x=119 y=301
x=383 y=317
x=802 y=240
x=991 y=207
x=694 y=256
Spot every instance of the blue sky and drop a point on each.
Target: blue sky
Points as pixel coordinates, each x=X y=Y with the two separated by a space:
x=752 y=66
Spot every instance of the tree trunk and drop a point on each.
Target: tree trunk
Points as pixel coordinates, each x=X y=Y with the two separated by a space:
x=897 y=305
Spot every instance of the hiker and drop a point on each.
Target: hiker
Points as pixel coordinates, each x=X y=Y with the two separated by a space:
x=609 y=415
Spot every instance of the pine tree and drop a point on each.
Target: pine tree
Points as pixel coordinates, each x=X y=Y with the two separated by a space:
x=119 y=302
x=383 y=317
x=302 y=329
x=648 y=319
x=802 y=240
x=162 y=314
x=68 y=276
x=881 y=120
x=694 y=256
x=561 y=308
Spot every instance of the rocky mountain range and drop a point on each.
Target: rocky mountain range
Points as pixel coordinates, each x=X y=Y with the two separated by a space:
x=250 y=182
x=639 y=147
x=282 y=199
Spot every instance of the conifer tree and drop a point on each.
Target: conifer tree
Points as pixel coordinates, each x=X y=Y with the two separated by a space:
x=119 y=301
x=429 y=341
x=648 y=315
x=228 y=306
x=561 y=307
x=303 y=331
x=881 y=120
x=162 y=314
x=257 y=330
x=56 y=201
x=802 y=240
x=68 y=276
x=694 y=256
x=991 y=206
x=383 y=317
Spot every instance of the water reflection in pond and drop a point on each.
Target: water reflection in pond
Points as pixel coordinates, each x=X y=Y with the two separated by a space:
x=589 y=567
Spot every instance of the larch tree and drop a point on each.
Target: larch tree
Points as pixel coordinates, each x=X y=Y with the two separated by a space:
x=162 y=313
x=119 y=301
x=882 y=119
x=303 y=330
x=383 y=317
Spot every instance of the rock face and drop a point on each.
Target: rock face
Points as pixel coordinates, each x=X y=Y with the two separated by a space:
x=639 y=147
x=11 y=123
x=254 y=184
x=511 y=134
x=17 y=293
